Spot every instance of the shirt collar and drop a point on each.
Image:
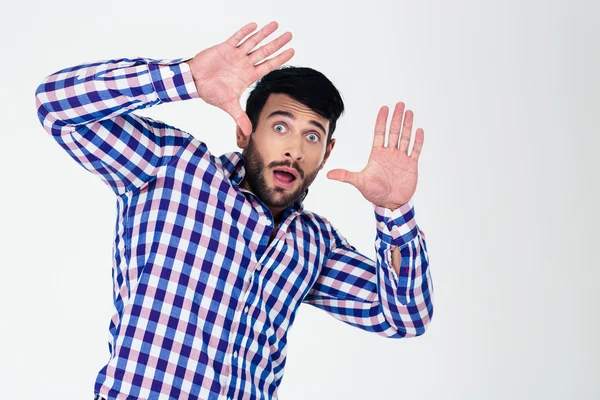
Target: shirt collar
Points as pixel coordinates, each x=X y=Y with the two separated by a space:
x=234 y=165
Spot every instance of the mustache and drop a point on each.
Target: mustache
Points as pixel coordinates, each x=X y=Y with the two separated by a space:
x=289 y=165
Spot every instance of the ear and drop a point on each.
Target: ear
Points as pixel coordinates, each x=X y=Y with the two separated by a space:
x=327 y=152
x=241 y=139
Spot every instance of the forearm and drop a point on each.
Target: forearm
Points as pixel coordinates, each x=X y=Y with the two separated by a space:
x=88 y=93
x=380 y=295
x=370 y=295
x=406 y=286
x=395 y=251
x=87 y=110
x=401 y=250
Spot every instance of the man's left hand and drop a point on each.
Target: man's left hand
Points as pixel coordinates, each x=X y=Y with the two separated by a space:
x=390 y=178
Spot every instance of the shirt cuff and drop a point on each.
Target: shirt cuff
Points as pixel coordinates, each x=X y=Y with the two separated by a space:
x=398 y=227
x=172 y=80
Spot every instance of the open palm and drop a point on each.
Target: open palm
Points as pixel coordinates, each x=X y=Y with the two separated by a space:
x=390 y=177
x=222 y=72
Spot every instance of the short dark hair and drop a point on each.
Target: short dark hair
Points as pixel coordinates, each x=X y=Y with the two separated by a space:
x=303 y=84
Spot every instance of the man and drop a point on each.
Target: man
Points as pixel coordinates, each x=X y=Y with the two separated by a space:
x=213 y=255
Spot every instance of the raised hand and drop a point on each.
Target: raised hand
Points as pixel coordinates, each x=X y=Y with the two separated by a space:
x=390 y=178
x=222 y=72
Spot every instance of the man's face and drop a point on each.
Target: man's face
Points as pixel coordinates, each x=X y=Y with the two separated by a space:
x=286 y=151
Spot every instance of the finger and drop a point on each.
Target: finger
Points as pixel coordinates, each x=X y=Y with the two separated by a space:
x=272 y=63
x=240 y=117
x=270 y=48
x=418 y=144
x=379 y=136
x=255 y=39
x=244 y=123
x=343 y=175
x=405 y=138
x=396 y=125
x=242 y=33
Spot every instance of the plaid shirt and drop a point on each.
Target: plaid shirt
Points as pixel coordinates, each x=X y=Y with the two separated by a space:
x=203 y=301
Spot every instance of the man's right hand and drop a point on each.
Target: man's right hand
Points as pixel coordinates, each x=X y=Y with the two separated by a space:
x=222 y=72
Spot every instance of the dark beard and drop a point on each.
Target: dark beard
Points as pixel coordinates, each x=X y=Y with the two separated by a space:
x=255 y=176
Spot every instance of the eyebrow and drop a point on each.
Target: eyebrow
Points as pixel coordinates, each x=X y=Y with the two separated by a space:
x=293 y=117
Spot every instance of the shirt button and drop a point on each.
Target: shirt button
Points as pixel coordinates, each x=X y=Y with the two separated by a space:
x=258 y=267
x=235 y=354
x=382 y=224
x=265 y=220
x=246 y=310
x=395 y=228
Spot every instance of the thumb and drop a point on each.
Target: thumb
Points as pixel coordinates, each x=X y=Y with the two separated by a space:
x=241 y=118
x=343 y=175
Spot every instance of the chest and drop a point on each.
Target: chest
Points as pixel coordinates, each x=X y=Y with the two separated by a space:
x=228 y=242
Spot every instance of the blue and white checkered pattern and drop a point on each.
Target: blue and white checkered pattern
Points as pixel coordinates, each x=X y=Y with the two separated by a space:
x=203 y=301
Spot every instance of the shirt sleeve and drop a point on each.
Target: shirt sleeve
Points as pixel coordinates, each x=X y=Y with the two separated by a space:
x=88 y=108
x=369 y=294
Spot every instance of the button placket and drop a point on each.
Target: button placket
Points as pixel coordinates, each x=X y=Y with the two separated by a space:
x=244 y=299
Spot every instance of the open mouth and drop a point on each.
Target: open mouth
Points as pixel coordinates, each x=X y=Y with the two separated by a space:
x=283 y=178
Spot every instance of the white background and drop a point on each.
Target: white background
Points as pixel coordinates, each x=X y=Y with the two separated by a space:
x=508 y=95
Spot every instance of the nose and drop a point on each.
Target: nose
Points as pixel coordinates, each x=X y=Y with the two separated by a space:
x=293 y=149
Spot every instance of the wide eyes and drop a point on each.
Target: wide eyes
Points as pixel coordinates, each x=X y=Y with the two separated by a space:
x=312 y=137
x=279 y=130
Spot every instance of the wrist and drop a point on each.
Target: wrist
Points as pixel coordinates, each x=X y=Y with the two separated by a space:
x=391 y=207
x=172 y=80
